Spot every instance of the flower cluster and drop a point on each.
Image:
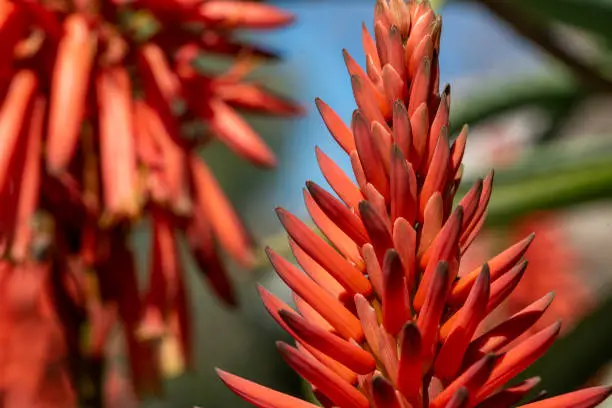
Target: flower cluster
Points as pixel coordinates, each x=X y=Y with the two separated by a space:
x=96 y=96
x=383 y=319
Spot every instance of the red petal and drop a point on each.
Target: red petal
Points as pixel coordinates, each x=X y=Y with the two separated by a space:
x=395 y=303
x=383 y=393
x=409 y=377
x=519 y=358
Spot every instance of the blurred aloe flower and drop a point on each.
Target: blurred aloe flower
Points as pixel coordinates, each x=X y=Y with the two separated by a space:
x=96 y=97
x=383 y=319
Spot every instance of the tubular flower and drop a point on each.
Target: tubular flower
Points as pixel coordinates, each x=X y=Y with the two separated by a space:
x=95 y=98
x=382 y=319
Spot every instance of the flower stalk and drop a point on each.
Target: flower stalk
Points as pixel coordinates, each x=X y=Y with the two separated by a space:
x=383 y=319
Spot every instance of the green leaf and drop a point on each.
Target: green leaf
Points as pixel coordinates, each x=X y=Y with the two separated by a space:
x=553 y=177
x=590 y=15
x=547 y=92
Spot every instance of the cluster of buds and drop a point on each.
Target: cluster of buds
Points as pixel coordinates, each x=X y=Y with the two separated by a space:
x=96 y=96
x=383 y=318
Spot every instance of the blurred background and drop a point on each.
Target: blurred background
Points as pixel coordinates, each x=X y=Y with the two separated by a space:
x=533 y=78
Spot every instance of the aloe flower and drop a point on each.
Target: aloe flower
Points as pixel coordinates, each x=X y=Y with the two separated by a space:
x=383 y=319
x=95 y=97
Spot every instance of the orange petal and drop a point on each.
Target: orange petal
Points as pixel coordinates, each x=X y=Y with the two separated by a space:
x=341 y=133
x=472 y=379
x=200 y=239
x=402 y=130
x=344 y=218
x=433 y=306
x=117 y=145
x=404 y=240
x=224 y=220
x=331 y=309
x=69 y=86
x=251 y=15
x=316 y=271
x=347 y=354
x=338 y=180
x=585 y=398
x=349 y=277
x=260 y=396
x=30 y=183
x=237 y=134
x=369 y=155
x=403 y=183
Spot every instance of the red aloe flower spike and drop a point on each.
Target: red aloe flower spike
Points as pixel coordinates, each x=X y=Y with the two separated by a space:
x=69 y=86
x=114 y=153
x=398 y=298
